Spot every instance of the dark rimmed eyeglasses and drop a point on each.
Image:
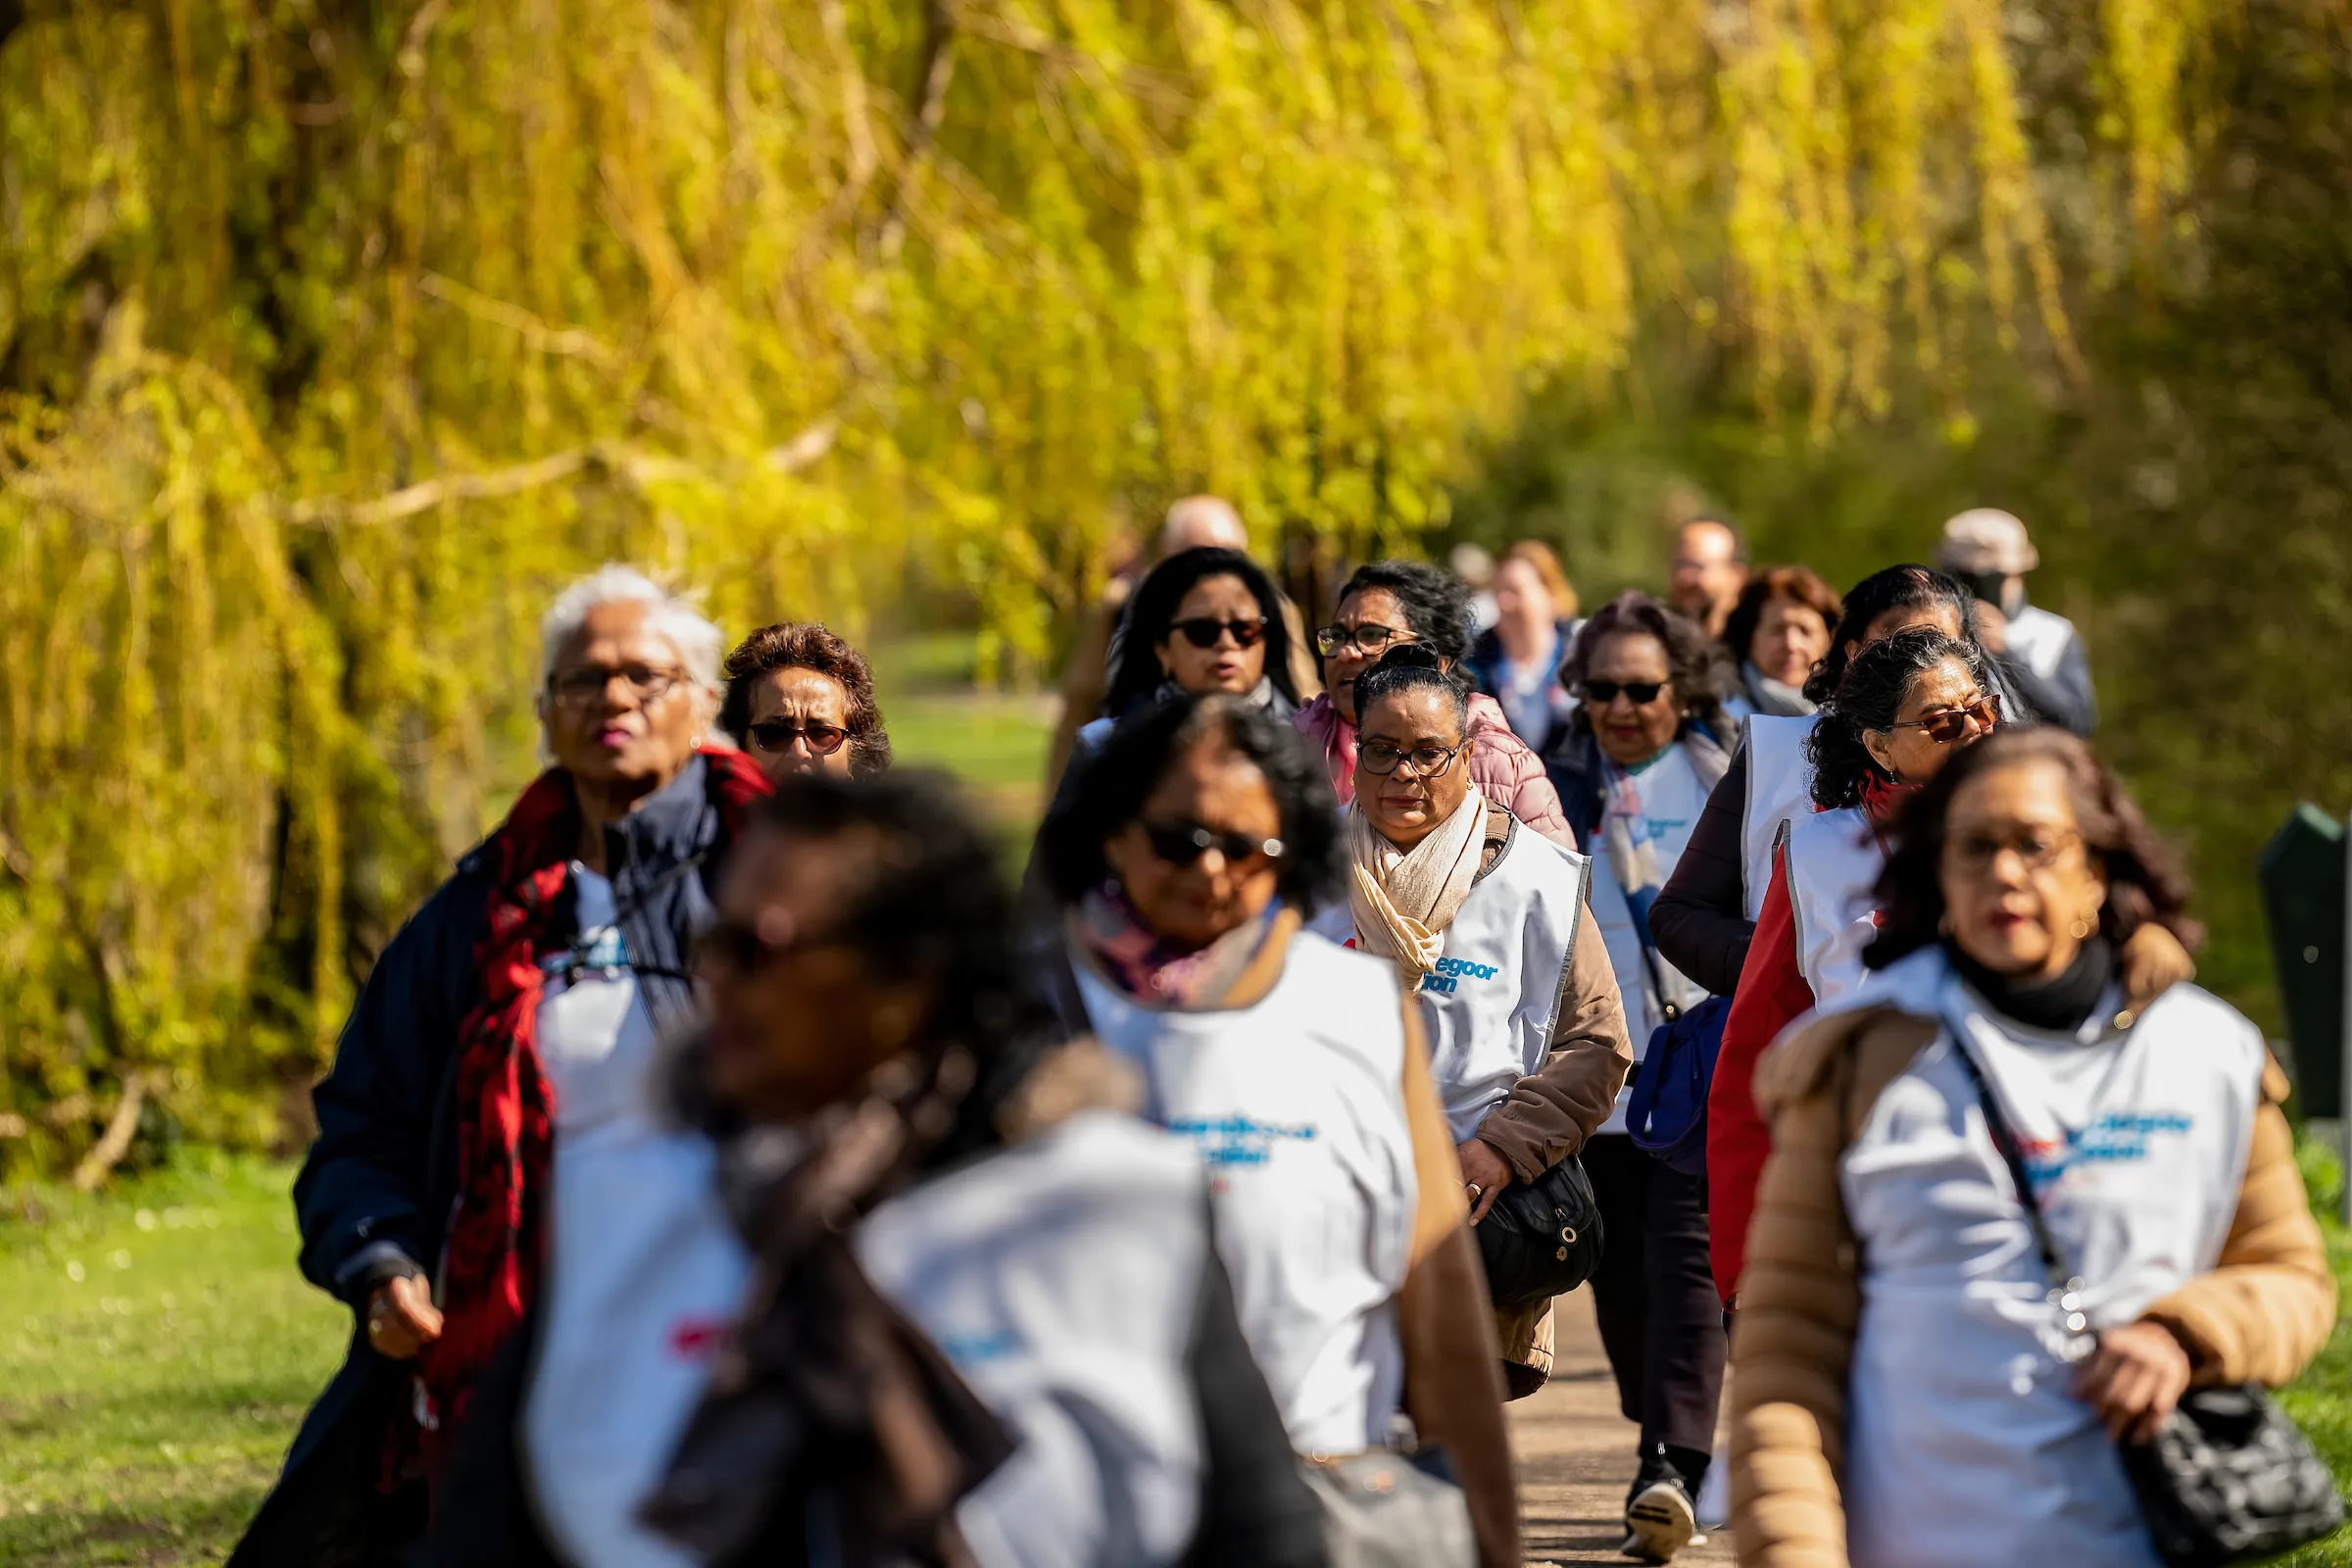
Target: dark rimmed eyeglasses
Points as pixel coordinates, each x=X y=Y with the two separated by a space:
x=778 y=734
x=1974 y=851
x=1204 y=631
x=1601 y=693
x=1370 y=640
x=1955 y=724
x=1383 y=758
x=1183 y=843
x=583 y=684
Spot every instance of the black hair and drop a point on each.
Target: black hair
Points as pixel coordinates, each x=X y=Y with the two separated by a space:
x=1412 y=667
x=1870 y=698
x=2144 y=883
x=1697 y=664
x=1437 y=603
x=930 y=901
x=1905 y=587
x=1151 y=618
x=1109 y=788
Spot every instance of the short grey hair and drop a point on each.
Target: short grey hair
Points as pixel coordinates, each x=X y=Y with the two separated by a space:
x=697 y=639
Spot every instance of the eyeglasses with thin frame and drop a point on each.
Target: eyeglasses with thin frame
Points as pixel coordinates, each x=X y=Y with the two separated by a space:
x=1370 y=640
x=778 y=734
x=1383 y=758
x=1640 y=693
x=1181 y=844
x=1206 y=631
x=583 y=684
x=1955 y=724
x=1974 y=852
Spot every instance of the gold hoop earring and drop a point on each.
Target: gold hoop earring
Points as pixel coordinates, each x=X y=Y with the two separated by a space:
x=2080 y=930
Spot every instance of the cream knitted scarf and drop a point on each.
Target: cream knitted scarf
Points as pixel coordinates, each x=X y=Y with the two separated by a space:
x=1404 y=899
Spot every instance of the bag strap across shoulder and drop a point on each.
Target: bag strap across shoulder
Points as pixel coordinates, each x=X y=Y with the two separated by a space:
x=2065 y=1288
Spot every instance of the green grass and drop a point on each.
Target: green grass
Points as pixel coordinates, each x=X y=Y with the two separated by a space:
x=160 y=1348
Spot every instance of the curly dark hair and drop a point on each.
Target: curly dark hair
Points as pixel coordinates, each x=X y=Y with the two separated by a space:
x=2144 y=883
x=1437 y=603
x=1411 y=667
x=1905 y=587
x=1800 y=585
x=1151 y=616
x=1110 y=787
x=1870 y=698
x=808 y=645
x=1702 y=673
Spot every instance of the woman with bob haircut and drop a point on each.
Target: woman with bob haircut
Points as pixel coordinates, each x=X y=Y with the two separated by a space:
x=1184 y=863
x=1919 y=1378
x=1781 y=628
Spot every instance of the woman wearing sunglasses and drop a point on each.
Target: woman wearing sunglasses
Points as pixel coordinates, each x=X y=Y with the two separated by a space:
x=1389 y=603
x=1485 y=924
x=1924 y=1375
x=801 y=700
x=1184 y=863
x=1634 y=768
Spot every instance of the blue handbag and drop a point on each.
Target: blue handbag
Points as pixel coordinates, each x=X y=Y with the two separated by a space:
x=1667 y=1114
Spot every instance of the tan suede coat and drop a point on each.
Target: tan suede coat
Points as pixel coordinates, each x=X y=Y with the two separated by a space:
x=2259 y=1316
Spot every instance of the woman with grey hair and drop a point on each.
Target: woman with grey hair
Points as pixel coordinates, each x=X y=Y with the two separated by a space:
x=501 y=1041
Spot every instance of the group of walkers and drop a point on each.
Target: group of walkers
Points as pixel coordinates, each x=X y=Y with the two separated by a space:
x=726 y=1165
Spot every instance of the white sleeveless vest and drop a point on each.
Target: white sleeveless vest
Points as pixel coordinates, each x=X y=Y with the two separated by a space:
x=1061 y=1277
x=1297 y=1102
x=1833 y=863
x=1780 y=789
x=1498 y=992
x=1965 y=1443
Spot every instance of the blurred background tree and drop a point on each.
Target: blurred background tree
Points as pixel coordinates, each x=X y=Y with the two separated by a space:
x=334 y=335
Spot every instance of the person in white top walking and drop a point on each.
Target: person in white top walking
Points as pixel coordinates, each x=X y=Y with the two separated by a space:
x=1485 y=924
x=2040 y=653
x=1915 y=1382
x=1183 y=862
x=1634 y=775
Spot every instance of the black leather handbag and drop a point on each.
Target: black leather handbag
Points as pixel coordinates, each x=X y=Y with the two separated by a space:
x=1542 y=1238
x=2229 y=1478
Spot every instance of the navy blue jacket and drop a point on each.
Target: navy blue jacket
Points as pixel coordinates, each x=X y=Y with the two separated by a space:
x=373 y=1196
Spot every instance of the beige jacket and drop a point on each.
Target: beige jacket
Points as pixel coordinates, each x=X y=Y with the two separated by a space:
x=2259 y=1316
x=1552 y=1111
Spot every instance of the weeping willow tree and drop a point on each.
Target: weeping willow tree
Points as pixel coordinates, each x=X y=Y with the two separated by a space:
x=332 y=336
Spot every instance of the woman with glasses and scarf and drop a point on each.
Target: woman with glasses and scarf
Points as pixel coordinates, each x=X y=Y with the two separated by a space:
x=801 y=700
x=1635 y=770
x=496 y=1046
x=1184 y=863
x=1389 y=603
x=969 y=1310
x=1924 y=1376
x=1485 y=924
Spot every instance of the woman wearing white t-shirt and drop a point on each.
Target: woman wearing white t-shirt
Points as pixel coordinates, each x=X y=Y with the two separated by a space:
x=1184 y=859
x=1921 y=1378
x=1634 y=774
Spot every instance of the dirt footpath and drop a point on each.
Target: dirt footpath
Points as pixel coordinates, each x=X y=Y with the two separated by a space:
x=1576 y=1454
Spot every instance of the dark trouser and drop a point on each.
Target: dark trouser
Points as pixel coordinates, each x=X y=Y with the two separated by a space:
x=1661 y=1321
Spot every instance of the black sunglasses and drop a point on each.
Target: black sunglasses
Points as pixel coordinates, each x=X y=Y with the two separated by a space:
x=1202 y=631
x=1642 y=693
x=1183 y=843
x=778 y=734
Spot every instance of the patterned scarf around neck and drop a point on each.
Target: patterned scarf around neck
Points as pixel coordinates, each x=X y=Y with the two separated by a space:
x=1404 y=899
x=492 y=1257
x=1148 y=967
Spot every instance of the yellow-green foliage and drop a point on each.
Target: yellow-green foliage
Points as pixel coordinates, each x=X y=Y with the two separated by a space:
x=333 y=335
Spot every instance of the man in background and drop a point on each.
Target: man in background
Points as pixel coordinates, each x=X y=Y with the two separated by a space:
x=2040 y=653
x=1196 y=522
x=1710 y=567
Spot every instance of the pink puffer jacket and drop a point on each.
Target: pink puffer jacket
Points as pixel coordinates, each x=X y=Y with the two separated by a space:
x=1502 y=768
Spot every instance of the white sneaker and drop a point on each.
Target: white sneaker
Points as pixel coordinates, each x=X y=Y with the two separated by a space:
x=1659 y=1522
x=1715 y=1494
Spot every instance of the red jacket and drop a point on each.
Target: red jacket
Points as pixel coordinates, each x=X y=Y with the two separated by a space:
x=1505 y=771
x=1773 y=994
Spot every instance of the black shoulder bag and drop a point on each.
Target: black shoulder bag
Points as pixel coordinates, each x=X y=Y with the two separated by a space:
x=2229 y=1478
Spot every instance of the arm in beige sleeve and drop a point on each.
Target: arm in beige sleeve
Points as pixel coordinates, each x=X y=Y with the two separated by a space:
x=1552 y=1112
x=1453 y=1367
x=2268 y=1305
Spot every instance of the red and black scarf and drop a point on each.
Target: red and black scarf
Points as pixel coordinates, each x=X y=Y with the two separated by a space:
x=494 y=1254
